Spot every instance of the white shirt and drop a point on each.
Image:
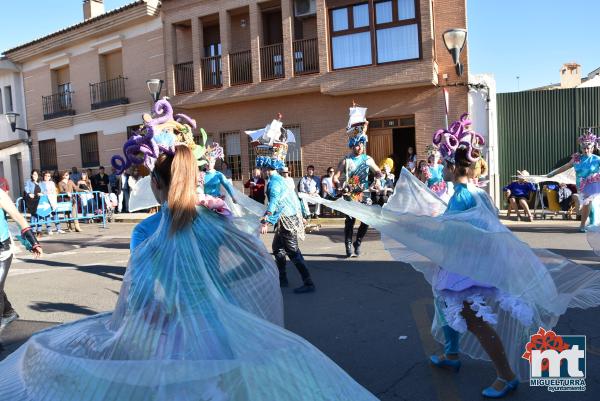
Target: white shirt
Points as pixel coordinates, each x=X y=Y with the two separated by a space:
x=329 y=187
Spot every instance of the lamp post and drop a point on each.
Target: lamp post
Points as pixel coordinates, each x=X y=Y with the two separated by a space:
x=454 y=40
x=155 y=87
x=12 y=120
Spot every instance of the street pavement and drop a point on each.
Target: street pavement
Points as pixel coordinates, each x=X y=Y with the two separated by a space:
x=371 y=315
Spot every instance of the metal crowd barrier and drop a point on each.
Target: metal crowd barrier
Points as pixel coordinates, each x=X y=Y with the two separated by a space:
x=88 y=206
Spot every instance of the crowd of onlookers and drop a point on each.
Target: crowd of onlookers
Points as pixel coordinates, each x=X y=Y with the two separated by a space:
x=68 y=197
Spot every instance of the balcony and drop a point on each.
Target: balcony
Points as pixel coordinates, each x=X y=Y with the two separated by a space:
x=271 y=62
x=108 y=93
x=240 y=66
x=306 y=56
x=184 y=77
x=57 y=105
x=211 y=72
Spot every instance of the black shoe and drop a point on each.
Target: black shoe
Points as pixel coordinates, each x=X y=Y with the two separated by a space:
x=348 y=249
x=283 y=282
x=304 y=289
x=8 y=318
x=357 y=248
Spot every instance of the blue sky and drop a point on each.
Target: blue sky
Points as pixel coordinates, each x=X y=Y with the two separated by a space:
x=509 y=38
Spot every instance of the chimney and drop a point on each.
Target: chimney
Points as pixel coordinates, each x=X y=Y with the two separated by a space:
x=570 y=75
x=92 y=9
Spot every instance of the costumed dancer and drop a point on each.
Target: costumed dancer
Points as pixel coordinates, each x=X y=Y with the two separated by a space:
x=587 y=170
x=212 y=179
x=492 y=291
x=199 y=313
x=27 y=237
x=434 y=173
x=283 y=209
x=355 y=168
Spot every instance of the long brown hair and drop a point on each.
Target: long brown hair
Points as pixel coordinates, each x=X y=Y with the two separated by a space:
x=178 y=173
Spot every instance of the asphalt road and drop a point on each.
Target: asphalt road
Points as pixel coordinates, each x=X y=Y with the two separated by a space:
x=371 y=315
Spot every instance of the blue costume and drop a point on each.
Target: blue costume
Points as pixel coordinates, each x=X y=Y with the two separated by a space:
x=587 y=170
x=285 y=214
x=436 y=182
x=213 y=180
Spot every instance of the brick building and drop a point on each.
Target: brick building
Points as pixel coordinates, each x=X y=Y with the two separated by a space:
x=85 y=85
x=233 y=64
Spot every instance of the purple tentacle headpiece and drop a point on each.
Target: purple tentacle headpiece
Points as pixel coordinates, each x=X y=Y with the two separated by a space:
x=588 y=138
x=158 y=135
x=214 y=151
x=458 y=135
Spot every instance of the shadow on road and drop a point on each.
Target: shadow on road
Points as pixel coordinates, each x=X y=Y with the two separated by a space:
x=111 y=272
x=63 y=307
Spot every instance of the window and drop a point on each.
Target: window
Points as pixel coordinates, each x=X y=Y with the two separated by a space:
x=8 y=103
x=48 y=160
x=1 y=107
x=294 y=155
x=394 y=33
x=132 y=129
x=351 y=36
x=89 y=150
x=230 y=141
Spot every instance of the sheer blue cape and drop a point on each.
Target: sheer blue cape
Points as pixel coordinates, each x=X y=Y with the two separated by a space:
x=198 y=317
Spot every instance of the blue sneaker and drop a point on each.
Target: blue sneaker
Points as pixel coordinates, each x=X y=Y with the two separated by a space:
x=509 y=386
x=442 y=363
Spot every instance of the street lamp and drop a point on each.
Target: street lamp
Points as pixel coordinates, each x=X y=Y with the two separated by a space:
x=454 y=40
x=155 y=87
x=12 y=120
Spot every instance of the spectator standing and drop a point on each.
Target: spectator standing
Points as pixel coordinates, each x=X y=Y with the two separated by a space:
x=124 y=198
x=477 y=171
x=328 y=189
x=67 y=189
x=311 y=185
x=256 y=184
x=84 y=187
x=75 y=176
x=289 y=181
x=33 y=192
x=411 y=159
x=226 y=170
x=48 y=188
x=518 y=194
x=100 y=181
x=114 y=183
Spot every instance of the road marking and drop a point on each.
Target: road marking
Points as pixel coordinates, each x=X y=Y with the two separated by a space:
x=446 y=388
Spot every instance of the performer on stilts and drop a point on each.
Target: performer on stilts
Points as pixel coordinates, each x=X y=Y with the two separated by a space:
x=284 y=211
x=587 y=170
x=355 y=168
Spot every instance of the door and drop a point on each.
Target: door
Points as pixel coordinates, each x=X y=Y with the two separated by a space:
x=16 y=172
x=380 y=145
x=403 y=138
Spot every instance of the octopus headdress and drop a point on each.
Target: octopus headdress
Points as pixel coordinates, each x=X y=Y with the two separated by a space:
x=458 y=135
x=271 y=144
x=160 y=134
x=588 y=138
x=357 y=126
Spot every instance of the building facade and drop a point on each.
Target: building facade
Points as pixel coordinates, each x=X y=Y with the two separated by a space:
x=234 y=64
x=15 y=162
x=85 y=85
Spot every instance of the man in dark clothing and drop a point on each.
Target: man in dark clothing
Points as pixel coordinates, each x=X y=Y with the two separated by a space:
x=256 y=184
x=100 y=181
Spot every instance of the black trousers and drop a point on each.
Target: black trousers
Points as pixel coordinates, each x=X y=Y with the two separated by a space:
x=285 y=243
x=349 y=230
x=5 y=306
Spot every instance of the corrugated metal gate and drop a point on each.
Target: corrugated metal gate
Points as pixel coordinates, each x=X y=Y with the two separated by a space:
x=538 y=130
